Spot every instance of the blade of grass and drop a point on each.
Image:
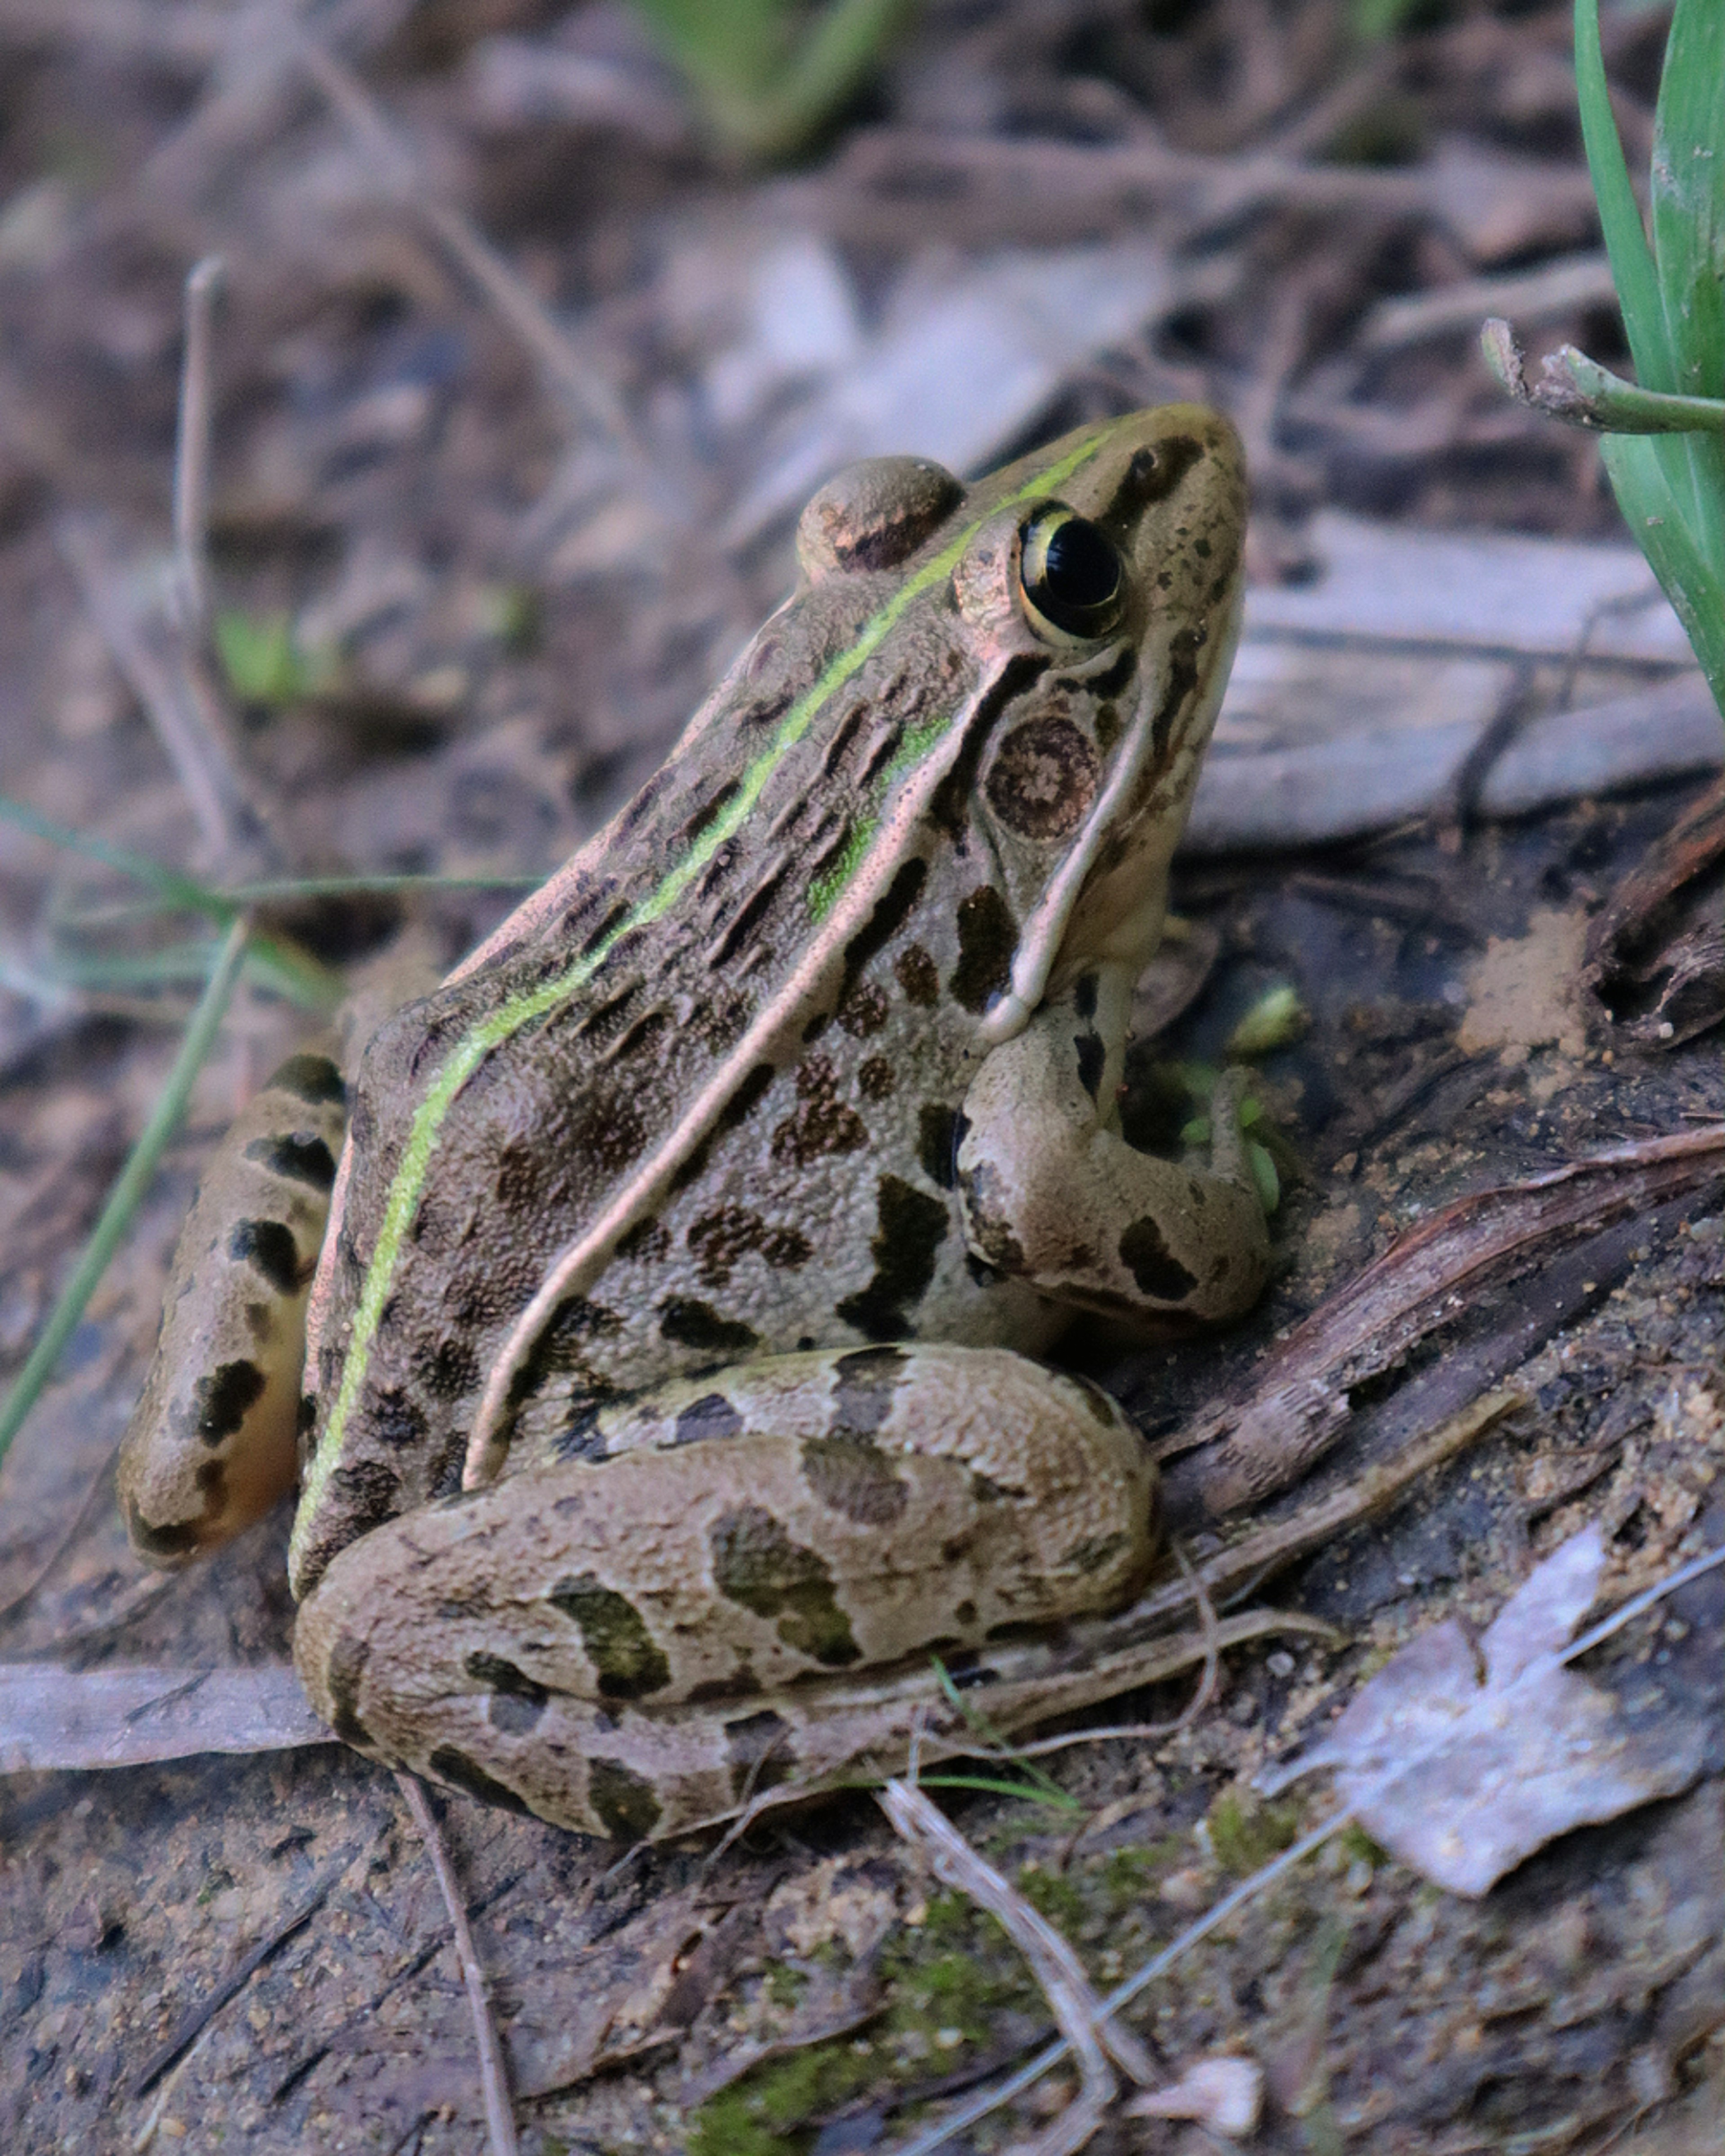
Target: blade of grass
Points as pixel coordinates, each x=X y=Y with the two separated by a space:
x=1688 y=203
x=1633 y=270
x=129 y=1187
x=1652 y=512
x=181 y=891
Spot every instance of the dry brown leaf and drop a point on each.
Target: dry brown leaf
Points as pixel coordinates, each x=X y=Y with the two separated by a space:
x=1503 y=1748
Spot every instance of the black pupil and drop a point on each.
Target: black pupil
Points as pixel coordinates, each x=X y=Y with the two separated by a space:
x=1080 y=568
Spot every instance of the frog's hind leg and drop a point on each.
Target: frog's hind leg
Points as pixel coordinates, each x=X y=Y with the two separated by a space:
x=212 y=1445
x=627 y=1639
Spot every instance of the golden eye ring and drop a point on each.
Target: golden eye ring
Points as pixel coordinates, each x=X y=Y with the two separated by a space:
x=1071 y=575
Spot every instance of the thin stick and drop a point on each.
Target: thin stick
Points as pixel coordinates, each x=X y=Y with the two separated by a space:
x=191 y=449
x=582 y=393
x=499 y=2121
x=1060 y=1974
x=129 y=1186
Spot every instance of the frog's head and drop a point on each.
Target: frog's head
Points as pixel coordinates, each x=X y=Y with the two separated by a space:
x=1109 y=594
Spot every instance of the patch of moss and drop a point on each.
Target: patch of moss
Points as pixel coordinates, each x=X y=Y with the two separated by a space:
x=1356 y=1845
x=765 y=2113
x=953 y=1972
x=1052 y=1895
x=1246 y=1835
x=785 y=1984
x=1129 y=1877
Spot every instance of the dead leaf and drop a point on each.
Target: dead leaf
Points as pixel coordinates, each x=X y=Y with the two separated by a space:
x=51 y=1716
x=1504 y=1748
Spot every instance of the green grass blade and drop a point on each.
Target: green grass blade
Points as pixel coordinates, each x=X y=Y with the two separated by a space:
x=1688 y=198
x=128 y=1188
x=1650 y=508
x=180 y=890
x=830 y=65
x=1632 y=266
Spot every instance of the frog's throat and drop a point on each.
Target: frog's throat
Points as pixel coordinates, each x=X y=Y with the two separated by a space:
x=486 y=1446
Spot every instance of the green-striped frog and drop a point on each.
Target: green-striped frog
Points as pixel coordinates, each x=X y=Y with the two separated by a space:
x=668 y=1389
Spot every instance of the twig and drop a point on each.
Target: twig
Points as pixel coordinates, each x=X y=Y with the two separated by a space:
x=192 y=450
x=1200 y=1699
x=1058 y=1971
x=583 y=394
x=499 y=2121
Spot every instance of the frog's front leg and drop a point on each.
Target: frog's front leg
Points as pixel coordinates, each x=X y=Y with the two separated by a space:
x=629 y=1641
x=1053 y=1195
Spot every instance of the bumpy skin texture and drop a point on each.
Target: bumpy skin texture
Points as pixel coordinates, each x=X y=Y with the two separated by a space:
x=795 y=1055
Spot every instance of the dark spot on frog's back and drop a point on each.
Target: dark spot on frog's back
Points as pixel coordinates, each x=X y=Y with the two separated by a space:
x=821 y=1123
x=863 y=1012
x=392 y=1417
x=450 y=1764
x=938 y=1133
x=611 y=1135
x=627 y=1660
x=711 y=1415
x=692 y=1324
x=623 y=1801
x=988 y=938
x=757 y=1565
x=1147 y=1257
x=892 y=909
x=449 y=1371
x=918 y=976
x=1091 y=1055
x=268 y=1247
x=721 y=1239
x=221 y=1401
x=712 y=806
x=911 y=1225
x=746 y=1098
x=297 y=1157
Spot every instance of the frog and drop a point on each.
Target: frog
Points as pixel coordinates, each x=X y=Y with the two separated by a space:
x=655 y=1323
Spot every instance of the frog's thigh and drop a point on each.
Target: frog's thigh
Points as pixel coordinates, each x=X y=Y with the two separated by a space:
x=1053 y=1196
x=764 y=1529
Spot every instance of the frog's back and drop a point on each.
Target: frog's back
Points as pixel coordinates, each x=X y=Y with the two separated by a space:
x=659 y=998
x=700 y=1099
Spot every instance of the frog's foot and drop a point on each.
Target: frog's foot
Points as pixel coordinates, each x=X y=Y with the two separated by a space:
x=618 y=1640
x=1054 y=1195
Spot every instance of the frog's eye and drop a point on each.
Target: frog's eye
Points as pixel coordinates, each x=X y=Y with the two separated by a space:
x=1070 y=573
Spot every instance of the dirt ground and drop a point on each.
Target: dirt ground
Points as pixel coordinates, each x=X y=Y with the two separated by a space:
x=472 y=581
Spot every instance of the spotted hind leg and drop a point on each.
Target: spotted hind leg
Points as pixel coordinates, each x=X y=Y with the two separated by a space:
x=610 y=1640
x=212 y=1444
